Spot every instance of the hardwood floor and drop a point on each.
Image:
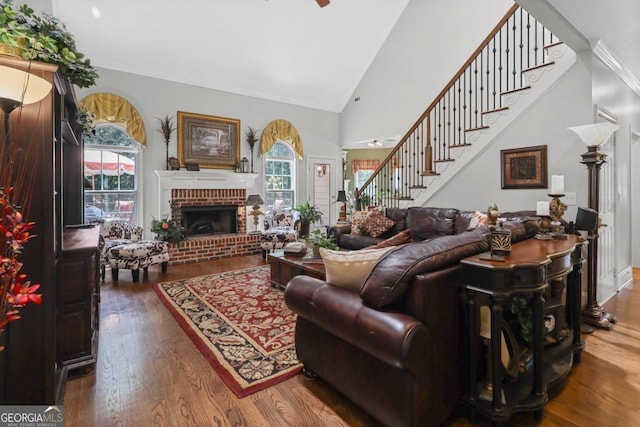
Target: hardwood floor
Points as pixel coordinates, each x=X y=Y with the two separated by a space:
x=150 y=373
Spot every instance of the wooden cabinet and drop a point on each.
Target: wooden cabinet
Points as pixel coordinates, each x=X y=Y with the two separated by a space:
x=547 y=275
x=43 y=162
x=79 y=299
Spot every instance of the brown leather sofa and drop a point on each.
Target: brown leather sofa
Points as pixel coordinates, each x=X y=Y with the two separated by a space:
x=396 y=349
x=423 y=222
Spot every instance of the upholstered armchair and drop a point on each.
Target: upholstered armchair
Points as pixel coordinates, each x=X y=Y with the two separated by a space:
x=280 y=228
x=123 y=247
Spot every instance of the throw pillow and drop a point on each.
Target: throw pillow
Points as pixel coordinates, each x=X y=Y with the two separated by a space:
x=478 y=219
x=349 y=269
x=358 y=217
x=399 y=239
x=376 y=223
x=356 y=220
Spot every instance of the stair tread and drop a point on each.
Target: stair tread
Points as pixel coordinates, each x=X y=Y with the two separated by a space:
x=516 y=90
x=444 y=160
x=538 y=66
x=478 y=128
x=495 y=110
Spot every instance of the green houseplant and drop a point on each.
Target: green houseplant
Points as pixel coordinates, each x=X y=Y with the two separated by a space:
x=308 y=213
x=167 y=230
x=319 y=239
x=44 y=38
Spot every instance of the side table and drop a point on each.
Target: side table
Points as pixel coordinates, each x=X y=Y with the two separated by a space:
x=526 y=272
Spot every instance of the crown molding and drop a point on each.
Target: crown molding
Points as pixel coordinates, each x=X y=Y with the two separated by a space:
x=602 y=52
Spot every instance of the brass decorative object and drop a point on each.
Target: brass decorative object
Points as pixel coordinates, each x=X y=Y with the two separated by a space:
x=500 y=239
x=556 y=211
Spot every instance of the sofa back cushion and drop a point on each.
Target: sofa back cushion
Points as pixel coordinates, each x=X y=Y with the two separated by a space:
x=427 y=223
x=390 y=277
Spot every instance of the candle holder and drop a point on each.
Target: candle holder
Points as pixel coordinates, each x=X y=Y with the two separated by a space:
x=556 y=211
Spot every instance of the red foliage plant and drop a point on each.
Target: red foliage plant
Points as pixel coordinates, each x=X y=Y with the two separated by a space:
x=15 y=290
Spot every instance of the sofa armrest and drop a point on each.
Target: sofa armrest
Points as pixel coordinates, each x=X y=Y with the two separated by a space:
x=396 y=338
x=338 y=230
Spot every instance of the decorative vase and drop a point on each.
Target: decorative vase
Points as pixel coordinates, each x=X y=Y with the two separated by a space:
x=304 y=229
x=316 y=250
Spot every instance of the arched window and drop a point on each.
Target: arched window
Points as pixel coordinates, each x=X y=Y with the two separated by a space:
x=280 y=177
x=110 y=172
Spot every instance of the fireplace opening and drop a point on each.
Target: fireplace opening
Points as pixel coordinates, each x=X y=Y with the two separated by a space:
x=205 y=220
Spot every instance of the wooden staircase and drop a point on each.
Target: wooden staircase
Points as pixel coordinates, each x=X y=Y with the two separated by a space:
x=518 y=62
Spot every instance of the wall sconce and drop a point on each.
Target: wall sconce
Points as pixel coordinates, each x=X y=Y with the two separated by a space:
x=19 y=88
x=593 y=135
x=321 y=170
x=255 y=201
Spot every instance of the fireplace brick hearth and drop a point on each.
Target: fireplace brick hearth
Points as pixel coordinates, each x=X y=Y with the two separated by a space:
x=211 y=247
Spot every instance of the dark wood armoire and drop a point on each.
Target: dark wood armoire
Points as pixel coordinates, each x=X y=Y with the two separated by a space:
x=47 y=155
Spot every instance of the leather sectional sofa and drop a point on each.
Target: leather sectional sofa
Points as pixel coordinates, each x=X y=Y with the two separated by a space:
x=396 y=349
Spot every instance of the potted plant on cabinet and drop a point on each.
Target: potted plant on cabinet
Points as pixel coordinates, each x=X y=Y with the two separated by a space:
x=42 y=37
x=319 y=239
x=308 y=214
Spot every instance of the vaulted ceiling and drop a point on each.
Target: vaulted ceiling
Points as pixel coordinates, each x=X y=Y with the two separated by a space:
x=285 y=50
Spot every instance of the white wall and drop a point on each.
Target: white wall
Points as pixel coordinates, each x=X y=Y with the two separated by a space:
x=428 y=45
x=155 y=98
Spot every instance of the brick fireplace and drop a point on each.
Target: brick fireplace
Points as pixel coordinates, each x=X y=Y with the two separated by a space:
x=184 y=189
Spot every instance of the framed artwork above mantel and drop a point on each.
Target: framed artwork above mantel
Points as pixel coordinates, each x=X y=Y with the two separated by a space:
x=209 y=141
x=524 y=167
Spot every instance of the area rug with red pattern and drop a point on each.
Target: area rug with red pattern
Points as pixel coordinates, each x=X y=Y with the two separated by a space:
x=240 y=324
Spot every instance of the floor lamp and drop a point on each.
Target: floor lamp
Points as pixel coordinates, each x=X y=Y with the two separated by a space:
x=593 y=135
x=19 y=88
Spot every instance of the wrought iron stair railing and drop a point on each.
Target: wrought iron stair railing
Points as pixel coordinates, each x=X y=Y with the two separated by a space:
x=517 y=43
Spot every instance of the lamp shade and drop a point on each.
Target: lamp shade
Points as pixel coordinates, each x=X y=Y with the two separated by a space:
x=18 y=87
x=594 y=134
x=342 y=196
x=254 y=200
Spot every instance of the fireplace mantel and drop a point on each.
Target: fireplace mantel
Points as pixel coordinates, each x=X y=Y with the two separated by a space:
x=204 y=179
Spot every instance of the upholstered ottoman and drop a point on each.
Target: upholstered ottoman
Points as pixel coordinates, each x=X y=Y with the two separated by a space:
x=136 y=255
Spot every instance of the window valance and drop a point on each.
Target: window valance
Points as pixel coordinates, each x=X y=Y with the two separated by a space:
x=280 y=130
x=111 y=108
x=364 y=164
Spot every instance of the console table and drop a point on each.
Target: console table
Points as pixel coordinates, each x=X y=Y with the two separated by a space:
x=527 y=272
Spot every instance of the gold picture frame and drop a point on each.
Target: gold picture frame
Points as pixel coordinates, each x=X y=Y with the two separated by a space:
x=211 y=142
x=524 y=167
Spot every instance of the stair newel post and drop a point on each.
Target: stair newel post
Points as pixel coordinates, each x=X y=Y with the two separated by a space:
x=428 y=150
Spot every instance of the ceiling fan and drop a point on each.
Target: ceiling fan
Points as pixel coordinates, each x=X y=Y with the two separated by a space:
x=323 y=3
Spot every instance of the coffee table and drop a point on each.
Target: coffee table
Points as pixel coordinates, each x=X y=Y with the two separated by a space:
x=285 y=267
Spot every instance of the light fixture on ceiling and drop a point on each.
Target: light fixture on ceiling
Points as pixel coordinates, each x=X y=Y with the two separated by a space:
x=376 y=143
x=323 y=3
